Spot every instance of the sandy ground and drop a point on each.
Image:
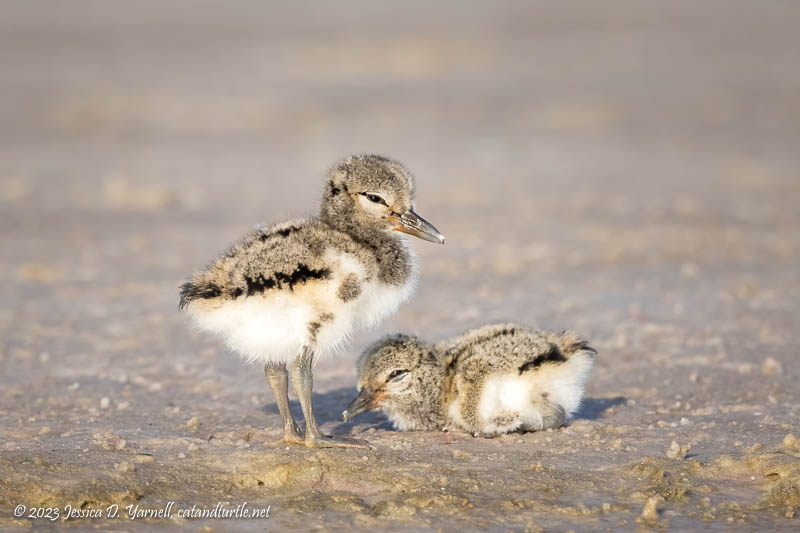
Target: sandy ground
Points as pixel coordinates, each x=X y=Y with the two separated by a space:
x=627 y=170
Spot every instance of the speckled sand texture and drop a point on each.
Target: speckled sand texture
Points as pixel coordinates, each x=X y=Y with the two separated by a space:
x=626 y=170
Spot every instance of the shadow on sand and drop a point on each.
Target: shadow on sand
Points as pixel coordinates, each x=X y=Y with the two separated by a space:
x=594 y=408
x=328 y=407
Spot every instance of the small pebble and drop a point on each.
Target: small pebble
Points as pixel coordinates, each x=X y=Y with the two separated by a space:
x=460 y=454
x=105 y=403
x=676 y=451
x=650 y=511
x=109 y=441
x=125 y=466
x=770 y=367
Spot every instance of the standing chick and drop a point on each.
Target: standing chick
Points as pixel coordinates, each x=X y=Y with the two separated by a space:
x=495 y=379
x=293 y=291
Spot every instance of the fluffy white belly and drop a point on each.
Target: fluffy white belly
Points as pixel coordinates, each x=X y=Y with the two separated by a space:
x=275 y=326
x=272 y=328
x=523 y=394
x=508 y=394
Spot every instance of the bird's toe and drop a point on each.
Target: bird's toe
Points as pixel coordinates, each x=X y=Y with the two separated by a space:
x=293 y=438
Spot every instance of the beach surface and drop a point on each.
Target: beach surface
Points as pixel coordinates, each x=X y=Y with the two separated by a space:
x=626 y=170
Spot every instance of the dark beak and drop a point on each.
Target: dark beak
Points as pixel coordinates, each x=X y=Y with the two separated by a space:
x=413 y=224
x=366 y=400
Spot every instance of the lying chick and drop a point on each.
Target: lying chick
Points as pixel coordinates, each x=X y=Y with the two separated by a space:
x=492 y=380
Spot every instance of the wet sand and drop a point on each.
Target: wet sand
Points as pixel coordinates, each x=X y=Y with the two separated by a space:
x=628 y=171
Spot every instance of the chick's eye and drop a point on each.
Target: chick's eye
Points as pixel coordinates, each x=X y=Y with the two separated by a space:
x=396 y=374
x=375 y=198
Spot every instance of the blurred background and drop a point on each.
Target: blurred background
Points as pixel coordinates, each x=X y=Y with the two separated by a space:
x=591 y=164
x=626 y=169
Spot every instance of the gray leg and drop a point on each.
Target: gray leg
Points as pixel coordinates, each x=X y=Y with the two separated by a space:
x=303 y=384
x=278 y=379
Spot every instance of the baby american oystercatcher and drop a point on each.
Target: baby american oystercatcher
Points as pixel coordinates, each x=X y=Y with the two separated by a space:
x=491 y=380
x=294 y=291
